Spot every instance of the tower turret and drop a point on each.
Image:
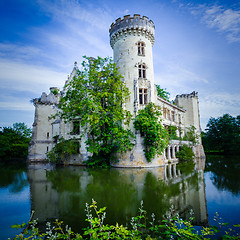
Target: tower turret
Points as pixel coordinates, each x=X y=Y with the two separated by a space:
x=132 y=39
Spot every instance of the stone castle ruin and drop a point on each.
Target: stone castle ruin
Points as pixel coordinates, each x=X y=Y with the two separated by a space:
x=131 y=39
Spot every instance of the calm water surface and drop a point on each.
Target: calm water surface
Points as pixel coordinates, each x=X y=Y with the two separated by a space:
x=63 y=192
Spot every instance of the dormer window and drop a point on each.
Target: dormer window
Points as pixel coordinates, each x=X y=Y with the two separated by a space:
x=141 y=71
x=141 y=49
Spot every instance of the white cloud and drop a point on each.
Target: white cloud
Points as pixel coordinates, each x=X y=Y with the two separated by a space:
x=223 y=20
x=19 y=76
x=16 y=104
x=70 y=9
x=219 y=103
x=178 y=79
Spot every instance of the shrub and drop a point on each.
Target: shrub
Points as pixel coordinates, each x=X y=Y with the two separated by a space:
x=140 y=228
x=63 y=150
x=185 y=154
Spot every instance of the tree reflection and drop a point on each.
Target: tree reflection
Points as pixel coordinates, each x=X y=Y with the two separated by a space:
x=13 y=178
x=225 y=172
x=63 y=192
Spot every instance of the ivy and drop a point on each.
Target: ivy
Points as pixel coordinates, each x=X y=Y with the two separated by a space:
x=172 y=131
x=148 y=122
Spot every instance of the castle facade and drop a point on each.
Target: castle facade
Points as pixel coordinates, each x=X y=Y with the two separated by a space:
x=131 y=39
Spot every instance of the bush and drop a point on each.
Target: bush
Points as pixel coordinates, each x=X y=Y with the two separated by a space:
x=185 y=154
x=63 y=150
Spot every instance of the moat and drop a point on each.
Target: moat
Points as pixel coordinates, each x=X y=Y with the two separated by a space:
x=62 y=193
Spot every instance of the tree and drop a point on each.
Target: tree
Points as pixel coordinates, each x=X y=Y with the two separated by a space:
x=148 y=122
x=223 y=134
x=161 y=92
x=14 y=142
x=95 y=98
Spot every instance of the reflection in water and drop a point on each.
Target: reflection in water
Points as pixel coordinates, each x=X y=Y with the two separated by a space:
x=63 y=192
x=14 y=180
x=225 y=172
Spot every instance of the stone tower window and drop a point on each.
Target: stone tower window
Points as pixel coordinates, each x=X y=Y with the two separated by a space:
x=141 y=71
x=141 y=49
x=143 y=96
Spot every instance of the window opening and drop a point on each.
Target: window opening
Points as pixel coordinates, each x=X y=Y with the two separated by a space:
x=143 y=96
x=141 y=71
x=141 y=48
x=76 y=129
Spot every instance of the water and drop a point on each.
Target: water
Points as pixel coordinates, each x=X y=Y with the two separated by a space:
x=63 y=192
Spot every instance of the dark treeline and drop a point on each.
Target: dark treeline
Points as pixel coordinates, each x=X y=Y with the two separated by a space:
x=14 y=143
x=222 y=135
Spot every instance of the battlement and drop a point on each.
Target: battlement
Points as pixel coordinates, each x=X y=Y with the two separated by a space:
x=132 y=25
x=190 y=95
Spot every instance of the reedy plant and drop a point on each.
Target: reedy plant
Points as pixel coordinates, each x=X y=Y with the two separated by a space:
x=172 y=227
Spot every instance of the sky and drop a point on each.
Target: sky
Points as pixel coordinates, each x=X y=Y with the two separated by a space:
x=197 y=48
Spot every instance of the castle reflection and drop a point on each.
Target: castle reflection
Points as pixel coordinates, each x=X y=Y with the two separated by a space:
x=62 y=193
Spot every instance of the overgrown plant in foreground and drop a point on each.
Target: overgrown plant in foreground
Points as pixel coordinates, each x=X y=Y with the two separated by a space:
x=155 y=136
x=95 y=98
x=140 y=228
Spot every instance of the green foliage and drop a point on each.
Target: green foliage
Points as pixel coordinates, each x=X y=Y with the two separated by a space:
x=63 y=150
x=95 y=97
x=148 y=122
x=223 y=134
x=55 y=91
x=14 y=142
x=141 y=228
x=161 y=92
x=172 y=132
x=185 y=154
x=191 y=135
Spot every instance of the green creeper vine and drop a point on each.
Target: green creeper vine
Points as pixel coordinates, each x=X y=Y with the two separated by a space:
x=148 y=122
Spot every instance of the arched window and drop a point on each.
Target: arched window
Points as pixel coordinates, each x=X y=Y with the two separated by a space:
x=141 y=71
x=141 y=49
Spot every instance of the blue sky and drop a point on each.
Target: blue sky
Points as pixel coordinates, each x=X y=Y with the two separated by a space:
x=197 y=48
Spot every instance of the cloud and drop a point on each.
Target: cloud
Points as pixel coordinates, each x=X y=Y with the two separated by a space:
x=225 y=20
x=178 y=79
x=17 y=76
x=22 y=104
x=219 y=103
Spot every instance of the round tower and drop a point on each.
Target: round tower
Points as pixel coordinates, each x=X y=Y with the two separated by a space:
x=131 y=39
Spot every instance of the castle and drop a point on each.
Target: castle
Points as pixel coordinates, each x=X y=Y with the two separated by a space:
x=131 y=39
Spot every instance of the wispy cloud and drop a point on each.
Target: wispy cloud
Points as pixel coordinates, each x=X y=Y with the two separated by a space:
x=216 y=104
x=224 y=20
x=178 y=79
x=19 y=76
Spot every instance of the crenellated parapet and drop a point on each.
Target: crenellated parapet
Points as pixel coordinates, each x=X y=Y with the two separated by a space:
x=190 y=95
x=135 y=25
